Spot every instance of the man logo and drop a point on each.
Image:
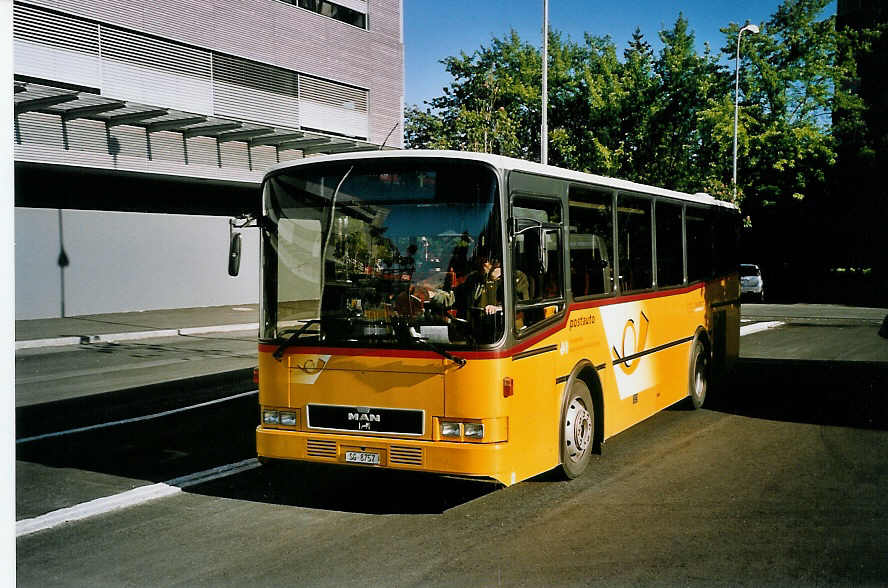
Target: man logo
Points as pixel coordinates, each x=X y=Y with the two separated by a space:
x=364 y=419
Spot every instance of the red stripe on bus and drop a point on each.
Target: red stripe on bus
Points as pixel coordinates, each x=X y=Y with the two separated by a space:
x=607 y=301
x=495 y=354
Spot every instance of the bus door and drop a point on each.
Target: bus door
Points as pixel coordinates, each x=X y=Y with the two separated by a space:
x=538 y=303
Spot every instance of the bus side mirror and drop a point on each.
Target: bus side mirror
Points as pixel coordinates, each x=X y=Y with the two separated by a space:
x=544 y=249
x=234 y=254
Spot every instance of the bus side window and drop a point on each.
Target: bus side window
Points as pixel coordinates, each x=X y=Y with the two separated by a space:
x=635 y=244
x=591 y=242
x=670 y=264
x=698 y=228
x=535 y=282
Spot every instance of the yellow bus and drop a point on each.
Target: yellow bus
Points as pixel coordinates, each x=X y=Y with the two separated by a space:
x=476 y=315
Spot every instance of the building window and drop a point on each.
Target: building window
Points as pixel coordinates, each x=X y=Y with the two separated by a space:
x=325 y=8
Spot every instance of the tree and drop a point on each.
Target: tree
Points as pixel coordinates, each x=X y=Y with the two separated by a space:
x=487 y=107
x=790 y=78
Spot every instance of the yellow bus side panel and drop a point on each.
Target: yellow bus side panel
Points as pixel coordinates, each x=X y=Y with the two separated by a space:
x=639 y=348
x=644 y=348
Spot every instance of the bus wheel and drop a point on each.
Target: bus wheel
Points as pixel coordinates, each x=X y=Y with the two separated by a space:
x=699 y=374
x=577 y=430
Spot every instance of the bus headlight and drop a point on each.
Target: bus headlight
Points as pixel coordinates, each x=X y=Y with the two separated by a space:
x=274 y=416
x=449 y=429
x=474 y=430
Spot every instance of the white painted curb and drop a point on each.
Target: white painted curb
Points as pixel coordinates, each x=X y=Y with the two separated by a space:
x=133 y=336
x=94 y=507
x=219 y=329
x=129 y=498
x=759 y=327
x=57 y=342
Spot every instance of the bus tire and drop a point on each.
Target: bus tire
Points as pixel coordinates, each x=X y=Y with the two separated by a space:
x=698 y=382
x=577 y=429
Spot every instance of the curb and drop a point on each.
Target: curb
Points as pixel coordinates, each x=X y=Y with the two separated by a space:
x=132 y=336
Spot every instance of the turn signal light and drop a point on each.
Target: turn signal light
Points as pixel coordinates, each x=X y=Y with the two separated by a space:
x=508 y=387
x=256 y=375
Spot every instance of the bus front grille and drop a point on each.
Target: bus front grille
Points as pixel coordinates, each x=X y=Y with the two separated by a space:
x=406 y=455
x=322 y=448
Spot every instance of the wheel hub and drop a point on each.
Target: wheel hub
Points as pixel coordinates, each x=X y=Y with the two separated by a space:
x=578 y=429
x=700 y=377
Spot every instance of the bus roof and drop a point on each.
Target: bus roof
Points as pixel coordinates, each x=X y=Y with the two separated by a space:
x=508 y=164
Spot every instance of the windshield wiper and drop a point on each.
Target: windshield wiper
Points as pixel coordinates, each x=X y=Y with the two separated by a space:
x=279 y=353
x=442 y=352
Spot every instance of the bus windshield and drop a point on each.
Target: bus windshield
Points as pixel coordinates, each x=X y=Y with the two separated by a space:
x=410 y=248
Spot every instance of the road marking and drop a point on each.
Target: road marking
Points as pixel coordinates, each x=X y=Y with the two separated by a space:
x=134 y=419
x=129 y=498
x=759 y=327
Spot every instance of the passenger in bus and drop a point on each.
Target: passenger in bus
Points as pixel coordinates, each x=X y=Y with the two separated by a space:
x=409 y=302
x=471 y=286
x=425 y=294
x=457 y=267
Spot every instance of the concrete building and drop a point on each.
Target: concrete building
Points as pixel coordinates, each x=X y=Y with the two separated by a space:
x=140 y=128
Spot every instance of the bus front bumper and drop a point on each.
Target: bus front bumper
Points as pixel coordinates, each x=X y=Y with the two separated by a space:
x=443 y=457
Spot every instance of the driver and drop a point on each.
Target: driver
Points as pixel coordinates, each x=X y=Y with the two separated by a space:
x=489 y=294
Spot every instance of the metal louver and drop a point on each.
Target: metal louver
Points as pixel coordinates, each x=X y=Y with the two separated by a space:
x=332 y=94
x=321 y=448
x=55 y=46
x=255 y=91
x=406 y=455
x=134 y=48
x=333 y=106
x=54 y=30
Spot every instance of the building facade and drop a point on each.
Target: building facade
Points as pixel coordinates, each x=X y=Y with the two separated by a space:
x=156 y=121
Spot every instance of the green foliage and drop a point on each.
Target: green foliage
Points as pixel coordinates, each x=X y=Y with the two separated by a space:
x=667 y=118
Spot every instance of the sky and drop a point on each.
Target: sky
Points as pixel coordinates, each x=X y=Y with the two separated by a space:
x=434 y=30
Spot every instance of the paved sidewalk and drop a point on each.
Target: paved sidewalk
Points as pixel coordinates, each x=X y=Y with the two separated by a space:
x=125 y=326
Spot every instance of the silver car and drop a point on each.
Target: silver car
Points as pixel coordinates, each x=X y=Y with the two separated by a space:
x=751 y=283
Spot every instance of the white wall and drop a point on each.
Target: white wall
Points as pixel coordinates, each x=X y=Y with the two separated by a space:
x=122 y=261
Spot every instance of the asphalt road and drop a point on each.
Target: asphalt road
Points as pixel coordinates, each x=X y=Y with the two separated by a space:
x=780 y=480
x=57 y=373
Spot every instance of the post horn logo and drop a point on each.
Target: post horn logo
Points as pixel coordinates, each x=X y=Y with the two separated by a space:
x=312 y=366
x=634 y=340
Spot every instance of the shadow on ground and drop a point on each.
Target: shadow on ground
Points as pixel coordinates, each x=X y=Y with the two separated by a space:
x=837 y=393
x=183 y=443
x=348 y=489
x=844 y=394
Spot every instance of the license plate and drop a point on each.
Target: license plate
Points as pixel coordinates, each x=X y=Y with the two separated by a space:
x=362 y=457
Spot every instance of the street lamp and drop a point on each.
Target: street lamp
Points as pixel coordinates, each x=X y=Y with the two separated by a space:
x=754 y=30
